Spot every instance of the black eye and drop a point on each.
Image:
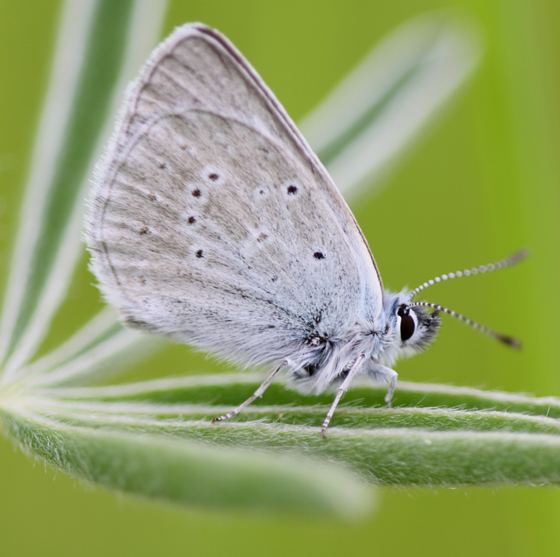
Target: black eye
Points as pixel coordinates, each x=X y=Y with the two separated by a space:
x=407 y=323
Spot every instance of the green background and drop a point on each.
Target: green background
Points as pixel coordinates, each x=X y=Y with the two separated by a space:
x=481 y=181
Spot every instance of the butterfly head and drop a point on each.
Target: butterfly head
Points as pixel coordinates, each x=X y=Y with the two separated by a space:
x=413 y=328
x=414 y=325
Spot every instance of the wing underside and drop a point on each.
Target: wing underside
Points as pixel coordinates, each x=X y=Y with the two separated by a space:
x=213 y=222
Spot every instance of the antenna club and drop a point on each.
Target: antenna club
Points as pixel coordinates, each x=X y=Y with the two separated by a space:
x=519 y=255
x=509 y=341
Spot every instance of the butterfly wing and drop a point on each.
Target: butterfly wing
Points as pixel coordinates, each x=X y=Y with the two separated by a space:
x=213 y=221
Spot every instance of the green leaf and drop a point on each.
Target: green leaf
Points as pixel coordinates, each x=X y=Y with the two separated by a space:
x=100 y=42
x=374 y=113
x=95 y=349
x=189 y=472
x=229 y=389
x=471 y=437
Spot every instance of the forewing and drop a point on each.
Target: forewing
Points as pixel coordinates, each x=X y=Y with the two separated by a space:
x=214 y=222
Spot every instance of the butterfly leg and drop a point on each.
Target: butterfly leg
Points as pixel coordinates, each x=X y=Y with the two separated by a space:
x=340 y=392
x=383 y=374
x=257 y=394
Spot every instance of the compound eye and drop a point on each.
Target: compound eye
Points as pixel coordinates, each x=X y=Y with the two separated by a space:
x=408 y=325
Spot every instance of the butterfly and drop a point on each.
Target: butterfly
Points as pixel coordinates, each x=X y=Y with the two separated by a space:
x=213 y=222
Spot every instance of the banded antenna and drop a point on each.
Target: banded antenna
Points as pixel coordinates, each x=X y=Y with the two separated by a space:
x=502 y=264
x=505 y=339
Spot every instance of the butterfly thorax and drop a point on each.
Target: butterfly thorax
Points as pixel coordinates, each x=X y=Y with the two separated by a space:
x=326 y=359
x=315 y=368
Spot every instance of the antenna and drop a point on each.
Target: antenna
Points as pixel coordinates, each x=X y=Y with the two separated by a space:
x=505 y=339
x=502 y=264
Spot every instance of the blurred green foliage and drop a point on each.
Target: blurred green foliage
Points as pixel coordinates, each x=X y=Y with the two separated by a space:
x=479 y=183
